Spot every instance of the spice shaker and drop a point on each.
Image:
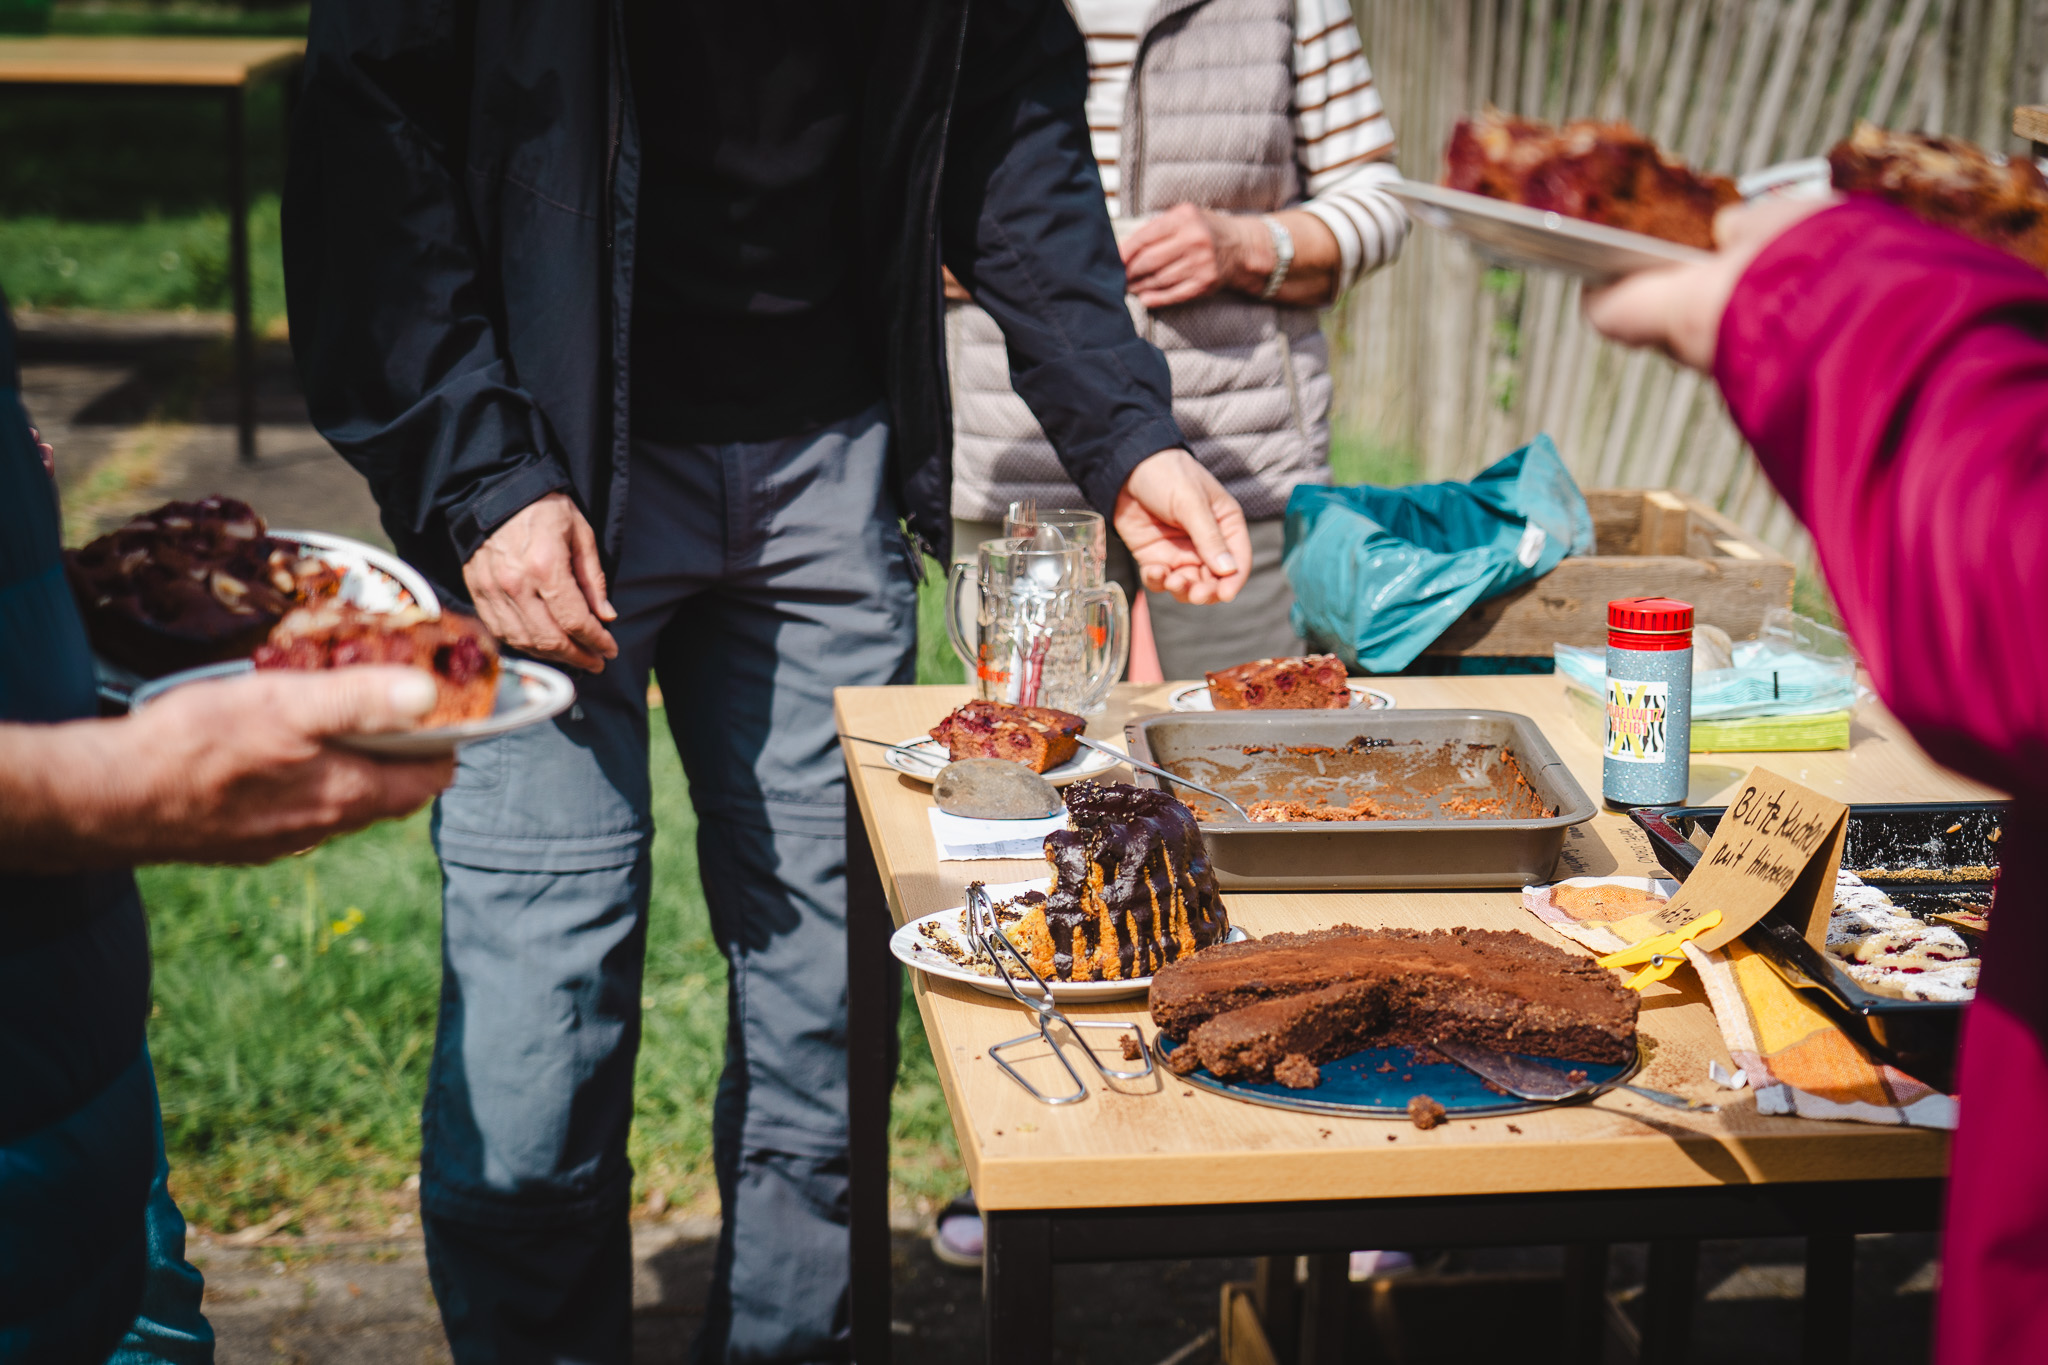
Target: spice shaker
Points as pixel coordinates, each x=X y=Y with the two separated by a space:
x=1649 y=702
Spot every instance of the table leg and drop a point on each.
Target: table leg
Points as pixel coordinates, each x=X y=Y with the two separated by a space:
x=1324 y=1302
x=1585 y=1303
x=1016 y=1287
x=238 y=275
x=1279 y=1300
x=873 y=988
x=1667 y=1302
x=1830 y=1299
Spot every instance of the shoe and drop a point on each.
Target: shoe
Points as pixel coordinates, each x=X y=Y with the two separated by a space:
x=1373 y=1265
x=956 y=1234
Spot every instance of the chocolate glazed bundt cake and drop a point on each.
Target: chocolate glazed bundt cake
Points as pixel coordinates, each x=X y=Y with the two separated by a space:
x=1132 y=888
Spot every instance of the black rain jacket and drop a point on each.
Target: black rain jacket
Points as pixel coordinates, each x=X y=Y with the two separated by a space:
x=459 y=246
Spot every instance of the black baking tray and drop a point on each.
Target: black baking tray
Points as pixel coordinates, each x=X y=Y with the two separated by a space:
x=1928 y=857
x=1440 y=850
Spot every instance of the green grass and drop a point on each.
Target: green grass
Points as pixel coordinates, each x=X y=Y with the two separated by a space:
x=294 y=1022
x=155 y=264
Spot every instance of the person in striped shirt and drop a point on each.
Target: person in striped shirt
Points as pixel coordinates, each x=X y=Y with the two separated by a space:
x=1244 y=153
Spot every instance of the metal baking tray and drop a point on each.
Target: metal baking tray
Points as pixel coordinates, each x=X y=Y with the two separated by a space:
x=1436 y=849
x=1928 y=857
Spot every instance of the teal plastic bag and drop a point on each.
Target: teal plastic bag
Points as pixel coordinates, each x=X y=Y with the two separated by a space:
x=1379 y=573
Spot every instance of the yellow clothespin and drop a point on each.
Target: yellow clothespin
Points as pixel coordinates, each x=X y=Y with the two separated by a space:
x=1661 y=952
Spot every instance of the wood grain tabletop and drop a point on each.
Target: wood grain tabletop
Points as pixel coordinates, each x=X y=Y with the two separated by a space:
x=143 y=60
x=1164 y=1142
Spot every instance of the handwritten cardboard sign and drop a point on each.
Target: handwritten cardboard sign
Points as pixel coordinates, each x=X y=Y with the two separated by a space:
x=1778 y=843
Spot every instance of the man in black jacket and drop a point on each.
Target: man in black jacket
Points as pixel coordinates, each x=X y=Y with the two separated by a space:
x=630 y=313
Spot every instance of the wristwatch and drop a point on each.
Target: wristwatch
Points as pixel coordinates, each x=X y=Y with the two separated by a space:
x=1283 y=255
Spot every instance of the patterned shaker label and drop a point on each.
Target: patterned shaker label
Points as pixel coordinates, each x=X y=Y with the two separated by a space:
x=1635 y=720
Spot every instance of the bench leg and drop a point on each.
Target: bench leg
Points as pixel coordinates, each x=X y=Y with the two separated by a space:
x=238 y=275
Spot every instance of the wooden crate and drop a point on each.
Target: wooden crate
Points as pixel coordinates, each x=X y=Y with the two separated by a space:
x=1647 y=543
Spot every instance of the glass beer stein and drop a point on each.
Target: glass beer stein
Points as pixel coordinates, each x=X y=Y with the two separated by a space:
x=1032 y=630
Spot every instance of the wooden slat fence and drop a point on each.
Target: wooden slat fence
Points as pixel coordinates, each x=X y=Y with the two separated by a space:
x=1441 y=355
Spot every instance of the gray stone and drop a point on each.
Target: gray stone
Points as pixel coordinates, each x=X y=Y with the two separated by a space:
x=994 y=789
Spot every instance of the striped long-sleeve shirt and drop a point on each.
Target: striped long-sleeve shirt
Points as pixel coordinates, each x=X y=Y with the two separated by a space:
x=1342 y=136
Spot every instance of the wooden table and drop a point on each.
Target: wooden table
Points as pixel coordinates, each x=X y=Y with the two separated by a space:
x=219 y=69
x=1169 y=1171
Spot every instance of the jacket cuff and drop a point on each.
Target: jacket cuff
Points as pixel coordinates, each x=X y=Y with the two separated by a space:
x=1126 y=452
x=497 y=500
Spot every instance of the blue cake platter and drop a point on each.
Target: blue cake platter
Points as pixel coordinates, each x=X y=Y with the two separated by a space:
x=1378 y=1083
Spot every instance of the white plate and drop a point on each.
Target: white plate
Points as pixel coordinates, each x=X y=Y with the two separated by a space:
x=1520 y=237
x=370 y=578
x=1807 y=178
x=528 y=693
x=1197 y=698
x=910 y=949
x=921 y=757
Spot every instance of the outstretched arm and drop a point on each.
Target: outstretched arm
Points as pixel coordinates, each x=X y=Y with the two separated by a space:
x=1025 y=231
x=227 y=772
x=1893 y=378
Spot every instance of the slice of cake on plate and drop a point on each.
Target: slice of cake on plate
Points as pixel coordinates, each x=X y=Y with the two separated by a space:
x=1315 y=682
x=457 y=650
x=1039 y=737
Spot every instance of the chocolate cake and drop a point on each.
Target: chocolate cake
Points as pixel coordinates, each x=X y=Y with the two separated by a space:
x=454 y=648
x=1274 y=1008
x=188 y=584
x=1039 y=737
x=1315 y=682
x=1601 y=172
x=1132 y=889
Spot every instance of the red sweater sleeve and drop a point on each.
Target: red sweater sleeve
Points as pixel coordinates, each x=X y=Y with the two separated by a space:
x=1893 y=378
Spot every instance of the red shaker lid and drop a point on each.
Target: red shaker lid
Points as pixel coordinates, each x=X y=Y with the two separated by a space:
x=1653 y=623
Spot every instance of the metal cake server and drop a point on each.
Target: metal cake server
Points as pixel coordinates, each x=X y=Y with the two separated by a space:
x=987 y=935
x=1528 y=1080
x=1122 y=757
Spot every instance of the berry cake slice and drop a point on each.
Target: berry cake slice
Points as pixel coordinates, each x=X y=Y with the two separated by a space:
x=1039 y=737
x=1600 y=172
x=1306 y=684
x=459 y=653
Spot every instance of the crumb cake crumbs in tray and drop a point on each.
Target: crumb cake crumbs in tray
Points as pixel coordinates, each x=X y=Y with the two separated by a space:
x=1376 y=799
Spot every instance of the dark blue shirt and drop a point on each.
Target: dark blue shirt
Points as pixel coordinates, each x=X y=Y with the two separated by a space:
x=74 y=952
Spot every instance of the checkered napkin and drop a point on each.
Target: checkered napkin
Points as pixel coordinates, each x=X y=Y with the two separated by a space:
x=1795 y=1059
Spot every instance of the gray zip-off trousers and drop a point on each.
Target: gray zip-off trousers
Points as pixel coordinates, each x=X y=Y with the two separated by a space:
x=753 y=579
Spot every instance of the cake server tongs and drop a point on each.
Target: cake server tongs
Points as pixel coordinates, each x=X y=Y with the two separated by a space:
x=1013 y=968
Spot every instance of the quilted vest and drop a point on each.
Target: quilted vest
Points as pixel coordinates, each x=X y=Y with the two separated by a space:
x=1208 y=119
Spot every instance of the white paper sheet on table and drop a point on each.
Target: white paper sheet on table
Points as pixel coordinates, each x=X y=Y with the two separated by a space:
x=963 y=840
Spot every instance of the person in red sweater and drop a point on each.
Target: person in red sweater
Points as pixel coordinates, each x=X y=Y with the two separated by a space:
x=1893 y=378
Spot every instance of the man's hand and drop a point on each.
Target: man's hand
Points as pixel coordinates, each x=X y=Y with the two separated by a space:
x=46 y=450
x=538 y=585
x=1677 y=309
x=234 y=771
x=1186 y=533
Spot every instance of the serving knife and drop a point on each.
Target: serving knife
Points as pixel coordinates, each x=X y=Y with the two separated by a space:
x=1531 y=1080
